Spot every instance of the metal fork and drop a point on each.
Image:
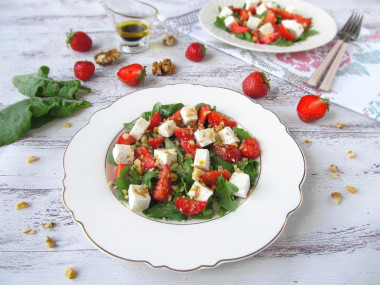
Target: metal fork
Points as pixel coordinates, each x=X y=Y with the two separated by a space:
x=350 y=31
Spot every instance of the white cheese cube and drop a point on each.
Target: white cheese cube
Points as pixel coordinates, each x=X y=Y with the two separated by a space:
x=225 y=12
x=271 y=5
x=202 y=159
x=241 y=181
x=123 y=154
x=167 y=128
x=261 y=9
x=253 y=22
x=228 y=136
x=189 y=115
x=251 y=4
x=165 y=156
x=294 y=27
x=290 y=9
x=139 y=128
x=205 y=137
x=266 y=29
x=229 y=21
x=139 y=198
x=198 y=192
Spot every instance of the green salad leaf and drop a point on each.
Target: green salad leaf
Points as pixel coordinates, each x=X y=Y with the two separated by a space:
x=224 y=193
x=307 y=33
x=219 y=22
x=128 y=126
x=167 y=110
x=164 y=210
x=184 y=172
x=128 y=175
x=110 y=159
x=249 y=167
x=241 y=133
x=216 y=161
x=150 y=178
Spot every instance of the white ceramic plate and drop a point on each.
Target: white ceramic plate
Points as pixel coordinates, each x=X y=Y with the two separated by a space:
x=183 y=247
x=322 y=22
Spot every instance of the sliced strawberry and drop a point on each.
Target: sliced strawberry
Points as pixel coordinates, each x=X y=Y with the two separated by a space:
x=143 y=153
x=163 y=187
x=312 y=107
x=176 y=117
x=189 y=146
x=305 y=22
x=189 y=207
x=119 y=168
x=155 y=121
x=285 y=14
x=184 y=134
x=228 y=152
x=252 y=10
x=270 y=17
x=237 y=29
x=243 y=15
x=256 y=37
x=250 y=148
x=235 y=10
x=284 y=32
x=209 y=178
x=125 y=138
x=156 y=142
x=132 y=75
x=269 y=38
x=215 y=118
x=203 y=113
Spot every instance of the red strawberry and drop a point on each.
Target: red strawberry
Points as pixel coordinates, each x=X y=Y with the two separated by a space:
x=195 y=52
x=176 y=117
x=189 y=207
x=132 y=75
x=125 y=138
x=156 y=142
x=163 y=187
x=184 y=134
x=155 y=121
x=228 y=152
x=188 y=147
x=311 y=108
x=209 y=178
x=83 y=70
x=250 y=148
x=215 y=118
x=256 y=85
x=119 y=169
x=203 y=113
x=143 y=153
x=79 y=41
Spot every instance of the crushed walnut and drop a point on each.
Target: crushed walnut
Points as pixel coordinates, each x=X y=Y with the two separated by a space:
x=340 y=125
x=351 y=189
x=47 y=225
x=70 y=273
x=50 y=243
x=336 y=196
x=334 y=175
x=173 y=176
x=168 y=40
x=165 y=67
x=31 y=158
x=351 y=154
x=26 y=230
x=333 y=168
x=107 y=57
x=308 y=141
x=21 y=205
x=66 y=125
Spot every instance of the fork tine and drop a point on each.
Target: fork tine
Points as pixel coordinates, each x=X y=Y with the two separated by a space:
x=358 y=27
x=347 y=24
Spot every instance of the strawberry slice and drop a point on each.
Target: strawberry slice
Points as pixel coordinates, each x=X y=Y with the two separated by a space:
x=286 y=34
x=250 y=148
x=215 y=118
x=285 y=14
x=184 y=134
x=132 y=75
x=119 y=168
x=243 y=14
x=270 y=17
x=125 y=138
x=189 y=146
x=228 y=152
x=156 y=142
x=203 y=113
x=155 y=121
x=269 y=38
x=143 y=153
x=163 y=187
x=189 y=207
x=237 y=29
x=209 y=178
x=305 y=22
x=176 y=117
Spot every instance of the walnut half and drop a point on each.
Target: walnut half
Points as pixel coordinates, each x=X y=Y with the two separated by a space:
x=165 y=67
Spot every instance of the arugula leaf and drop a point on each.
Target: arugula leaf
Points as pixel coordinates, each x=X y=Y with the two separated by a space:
x=167 y=110
x=128 y=175
x=282 y=42
x=216 y=161
x=128 y=126
x=164 y=210
x=146 y=115
x=156 y=108
x=169 y=144
x=239 y=36
x=224 y=193
x=219 y=22
x=110 y=159
x=207 y=213
x=199 y=105
x=40 y=85
x=307 y=33
x=249 y=167
x=241 y=133
x=150 y=178
x=185 y=173
x=247 y=36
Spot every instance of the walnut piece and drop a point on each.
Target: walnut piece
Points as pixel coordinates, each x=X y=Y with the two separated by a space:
x=70 y=273
x=26 y=230
x=351 y=154
x=21 y=205
x=308 y=141
x=351 y=189
x=168 y=40
x=340 y=125
x=47 y=225
x=66 y=125
x=334 y=175
x=333 y=168
x=50 y=243
x=336 y=196
x=31 y=158
x=107 y=57
x=165 y=67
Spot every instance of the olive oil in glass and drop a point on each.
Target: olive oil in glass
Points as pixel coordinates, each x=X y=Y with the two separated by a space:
x=133 y=31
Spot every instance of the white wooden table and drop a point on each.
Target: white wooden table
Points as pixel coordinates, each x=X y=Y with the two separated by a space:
x=322 y=242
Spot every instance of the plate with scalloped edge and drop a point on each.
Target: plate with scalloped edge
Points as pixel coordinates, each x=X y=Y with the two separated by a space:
x=119 y=232
x=322 y=22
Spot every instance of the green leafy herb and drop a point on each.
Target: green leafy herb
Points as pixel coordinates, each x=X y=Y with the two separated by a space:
x=128 y=175
x=156 y=108
x=150 y=178
x=219 y=22
x=199 y=105
x=282 y=42
x=206 y=214
x=224 y=193
x=128 y=126
x=167 y=110
x=307 y=33
x=185 y=173
x=239 y=36
x=249 y=167
x=146 y=115
x=248 y=36
x=110 y=159
x=241 y=133
x=164 y=210
x=216 y=161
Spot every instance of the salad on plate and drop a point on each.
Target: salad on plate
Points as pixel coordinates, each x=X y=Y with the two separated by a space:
x=181 y=162
x=264 y=22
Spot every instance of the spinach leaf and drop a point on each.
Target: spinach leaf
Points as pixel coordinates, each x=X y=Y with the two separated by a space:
x=239 y=36
x=282 y=42
x=169 y=144
x=128 y=176
x=241 y=133
x=128 y=126
x=150 y=178
x=40 y=85
x=164 y=210
x=167 y=110
x=224 y=193
x=184 y=172
x=199 y=105
x=216 y=161
x=156 y=108
x=307 y=33
x=219 y=22
x=110 y=159
x=248 y=36
x=249 y=167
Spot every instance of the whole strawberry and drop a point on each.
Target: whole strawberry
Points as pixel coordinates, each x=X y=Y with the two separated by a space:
x=256 y=85
x=83 y=70
x=79 y=41
x=132 y=75
x=195 y=52
x=311 y=108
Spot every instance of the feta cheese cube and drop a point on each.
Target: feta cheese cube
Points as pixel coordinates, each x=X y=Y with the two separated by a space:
x=228 y=136
x=225 y=12
x=205 y=137
x=253 y=22
x=123 y=154
x=242 y=182
x=139 y=198
x=165 y=156
x=139 y=128
x=266 y=29
x=294 y=27
x=167 y=128
x=251 y=4
x=199 y=192
x=229 y=21
x=202 y=159
x=189 y=115
x=261 y=9
x=291 y=9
